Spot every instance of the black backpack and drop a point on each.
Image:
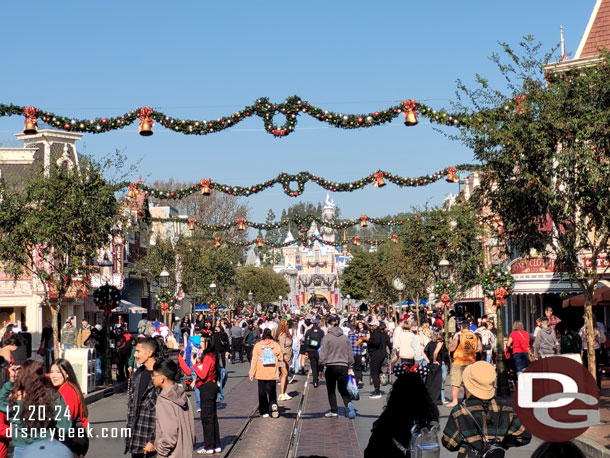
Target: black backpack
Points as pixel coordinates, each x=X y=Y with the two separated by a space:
x=314 y=338
x=491 y=448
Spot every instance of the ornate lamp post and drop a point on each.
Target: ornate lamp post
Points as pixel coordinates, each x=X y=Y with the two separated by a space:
x=164 y=283
x=280 y=299
x=348 y=297
x=443 y=272
x=250 y=297
x=212 y=305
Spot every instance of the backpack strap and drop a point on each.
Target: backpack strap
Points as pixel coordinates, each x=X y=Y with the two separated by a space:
x=476 y=424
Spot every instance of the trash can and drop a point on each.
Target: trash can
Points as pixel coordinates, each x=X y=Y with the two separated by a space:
x=83 y=363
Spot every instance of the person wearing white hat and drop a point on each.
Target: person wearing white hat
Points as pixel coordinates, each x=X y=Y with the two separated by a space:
x=480 y=411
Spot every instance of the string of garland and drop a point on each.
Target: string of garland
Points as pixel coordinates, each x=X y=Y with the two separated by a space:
x=303 y=223
x=304 y=241
x=294 y=185
x=445 y=288
x=496 y=278
x=290 y=109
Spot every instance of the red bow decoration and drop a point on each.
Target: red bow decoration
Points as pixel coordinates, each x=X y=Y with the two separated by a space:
x=445 y=299
x=30 y=114
x=500 y=295
x=205 y=186
x=145 y=114
x=379 y=181
x=164 y=307
x=133 y=190
x=395 y=238
x=452 y=175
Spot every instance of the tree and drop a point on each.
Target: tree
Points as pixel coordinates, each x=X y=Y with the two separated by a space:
x=53 y=228
x=546 y=161
x=270 y=256
x=265 y=284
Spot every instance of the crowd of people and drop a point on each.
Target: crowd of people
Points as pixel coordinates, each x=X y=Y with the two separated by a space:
x=163 y=362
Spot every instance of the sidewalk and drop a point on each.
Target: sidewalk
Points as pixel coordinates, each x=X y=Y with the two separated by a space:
x=596 y=441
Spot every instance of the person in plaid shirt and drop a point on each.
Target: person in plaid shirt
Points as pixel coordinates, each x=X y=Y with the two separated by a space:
x=497 y=421
x=354 y=338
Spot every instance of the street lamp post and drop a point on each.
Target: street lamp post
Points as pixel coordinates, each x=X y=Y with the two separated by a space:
x=348 y=297
x=105 y=267
x=212 y=305
x=164 y=283
x=503 y=389
x=443 y=271
x=280 y=299
x=399 y=286
x=250 y=297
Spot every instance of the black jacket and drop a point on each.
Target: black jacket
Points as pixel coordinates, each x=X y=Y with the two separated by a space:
x=221 y=341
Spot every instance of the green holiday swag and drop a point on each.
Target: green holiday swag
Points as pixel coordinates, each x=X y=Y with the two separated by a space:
x=290 y=109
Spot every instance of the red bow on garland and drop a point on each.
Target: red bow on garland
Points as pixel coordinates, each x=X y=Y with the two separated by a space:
x=145 y=114
x=500 y=295
x=30 y=114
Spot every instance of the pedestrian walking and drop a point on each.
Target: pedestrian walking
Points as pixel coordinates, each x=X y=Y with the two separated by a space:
x=141 y=401
x=391 y=432
x=207 y=372
x=83 y=334
x=313 y=341
x=403 y=343
x=546 y=342
x=221 y=344
x=175 y=427
x=250 y=335
x=481 y=421
x=487 y=338
x=571 y=343
x=285 y=341
x=356 y=343
x=465 y=345
x=264 y=367
x=337 y=357
x=377 y=344
x=68 y=335
x=519 y=343
x=599 y=338
x=236 y=342
x=435 y=354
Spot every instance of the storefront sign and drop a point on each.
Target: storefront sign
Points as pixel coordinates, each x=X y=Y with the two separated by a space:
x=602 y=263
x=533 y=266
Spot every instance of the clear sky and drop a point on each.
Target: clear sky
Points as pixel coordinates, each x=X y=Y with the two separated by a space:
x=202 y=59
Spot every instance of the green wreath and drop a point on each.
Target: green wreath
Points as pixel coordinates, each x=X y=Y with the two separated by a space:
x=445 y=287
x=494 y=278
x=165 y=296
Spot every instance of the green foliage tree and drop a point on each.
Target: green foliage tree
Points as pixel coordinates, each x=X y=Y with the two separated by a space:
x=546 y=160
x=52 y=228
x=265 y=284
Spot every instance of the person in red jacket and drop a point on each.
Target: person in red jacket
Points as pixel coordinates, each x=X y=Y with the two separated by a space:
x=63 y=378
x=207 y=376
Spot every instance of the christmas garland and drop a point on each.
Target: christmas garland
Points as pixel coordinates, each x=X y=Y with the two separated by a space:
x=302 y=222
x=294 y=185
x=445 y=288
x=496 y=278
x=290 y=109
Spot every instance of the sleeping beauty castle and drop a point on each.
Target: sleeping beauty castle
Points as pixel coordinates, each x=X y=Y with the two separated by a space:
x=313 y=272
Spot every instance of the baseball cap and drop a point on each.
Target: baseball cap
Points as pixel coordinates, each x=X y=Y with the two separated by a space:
x=374 y=322
x=316 y=321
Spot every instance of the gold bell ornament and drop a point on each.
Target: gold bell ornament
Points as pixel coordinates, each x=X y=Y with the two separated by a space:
x=379 y=181
x=31 y=123
x=395 y=238
x=410 y=112
x=191 y=223
x=363 y=220
x=205 y=186
x=146 y=122
x=240 y=224
x=259 y=242
x=452 y=175
x=217 y=242
x=357 y=241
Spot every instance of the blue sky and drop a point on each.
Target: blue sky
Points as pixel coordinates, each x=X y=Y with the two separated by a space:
x=202 y=60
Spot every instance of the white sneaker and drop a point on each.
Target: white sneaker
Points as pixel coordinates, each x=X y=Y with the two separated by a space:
x=198 y=410
x=217 y=450
x=287 y=397
x=203 y=451
x=265 y=415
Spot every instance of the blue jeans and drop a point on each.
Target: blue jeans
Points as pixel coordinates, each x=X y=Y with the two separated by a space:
x=295 y=356
x=197 y=394
x=177 y=336
x=521 y=361
x=444 y=376
x=98 y=369
x=68 y=347
x=421 y=362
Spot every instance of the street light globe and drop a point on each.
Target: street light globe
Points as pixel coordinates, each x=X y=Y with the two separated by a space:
x=280 y=298
x=443 y=269
x=250 y=296
x=164 y=279
x=212 y=287
x=348 y=297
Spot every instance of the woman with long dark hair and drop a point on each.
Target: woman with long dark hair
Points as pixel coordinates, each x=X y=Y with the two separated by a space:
x=435 y=354
x=208 y=371
x=29 y=391
x=64 y=380
x=408 y=404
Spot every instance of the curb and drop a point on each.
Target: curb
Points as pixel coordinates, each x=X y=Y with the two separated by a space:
x=591 y=448
x=106 y=392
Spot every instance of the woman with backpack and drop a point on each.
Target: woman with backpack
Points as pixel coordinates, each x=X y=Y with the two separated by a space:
x=208 y=372
x=265 y=368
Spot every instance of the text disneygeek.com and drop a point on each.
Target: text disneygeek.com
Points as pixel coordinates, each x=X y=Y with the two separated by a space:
x=70 y=433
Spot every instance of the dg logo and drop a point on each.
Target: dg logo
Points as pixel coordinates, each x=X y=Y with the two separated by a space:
x=557 y=399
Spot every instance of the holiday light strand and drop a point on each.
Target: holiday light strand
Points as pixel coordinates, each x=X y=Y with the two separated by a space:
x=303 y=223
x=294 y=185
x=291 y=108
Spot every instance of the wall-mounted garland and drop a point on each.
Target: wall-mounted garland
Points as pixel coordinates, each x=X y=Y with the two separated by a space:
x=294 y=185
x=290 y=109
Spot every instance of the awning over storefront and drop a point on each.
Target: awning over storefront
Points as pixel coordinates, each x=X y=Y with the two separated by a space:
x=601 y=296
x=474 y=294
